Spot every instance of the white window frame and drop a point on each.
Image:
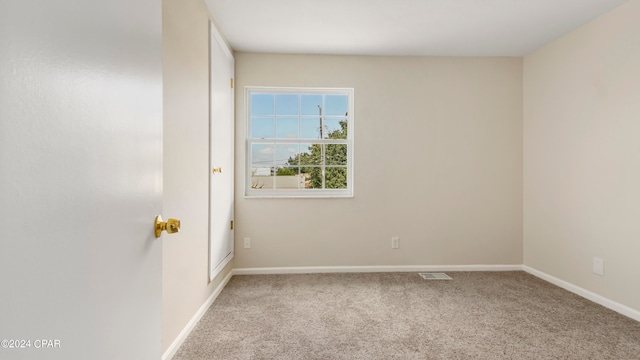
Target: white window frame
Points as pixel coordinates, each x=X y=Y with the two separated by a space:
x=249 y=192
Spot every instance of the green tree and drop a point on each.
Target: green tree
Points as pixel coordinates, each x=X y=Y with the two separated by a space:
x=311 y=162
x=286 y=171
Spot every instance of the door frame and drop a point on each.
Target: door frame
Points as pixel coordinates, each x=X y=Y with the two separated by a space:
x=215 y=269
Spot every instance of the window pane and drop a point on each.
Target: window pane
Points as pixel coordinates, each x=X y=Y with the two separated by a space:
x=310 y=128
x=286 y=128
x=336 y=105
x=262 y=128
x=313 y=177
x=287 y=154
x=289 y=178
x=262 y=104
x=262 y=157
x=286 y=104
x=336 y=178
x=310 y=165
x=310 y=104
x=261 y=182
x=335 y=128
x=336 y=154
x=310 y=154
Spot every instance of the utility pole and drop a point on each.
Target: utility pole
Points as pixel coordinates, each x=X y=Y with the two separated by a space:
x=322 y=146
x=321 y=124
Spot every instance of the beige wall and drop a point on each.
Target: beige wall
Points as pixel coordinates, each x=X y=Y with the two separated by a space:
x=582 y=156
x=451 y=125
x=186 y=162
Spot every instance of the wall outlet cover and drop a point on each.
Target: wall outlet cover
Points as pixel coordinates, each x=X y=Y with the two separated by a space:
x=395 y=242
x=598 y=266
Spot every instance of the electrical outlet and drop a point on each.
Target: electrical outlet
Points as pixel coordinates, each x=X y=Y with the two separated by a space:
x=598 y=266
x=247 y=243
x=395 y=242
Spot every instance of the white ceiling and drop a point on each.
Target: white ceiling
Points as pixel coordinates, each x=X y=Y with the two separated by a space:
x=401 y=27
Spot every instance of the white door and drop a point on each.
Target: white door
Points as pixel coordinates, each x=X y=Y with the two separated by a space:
x=80 y=179
x=221 y=139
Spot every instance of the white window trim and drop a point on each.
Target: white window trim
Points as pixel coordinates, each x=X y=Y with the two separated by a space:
x=302 y=193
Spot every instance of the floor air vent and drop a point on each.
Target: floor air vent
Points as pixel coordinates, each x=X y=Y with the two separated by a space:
x=435 y=276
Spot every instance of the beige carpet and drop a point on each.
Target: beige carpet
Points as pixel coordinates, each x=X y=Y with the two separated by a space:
x=477 y=315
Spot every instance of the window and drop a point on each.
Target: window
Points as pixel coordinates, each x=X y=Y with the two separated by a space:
x=299 y=142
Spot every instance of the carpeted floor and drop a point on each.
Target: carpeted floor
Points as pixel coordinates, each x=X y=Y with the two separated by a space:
x=477 y=315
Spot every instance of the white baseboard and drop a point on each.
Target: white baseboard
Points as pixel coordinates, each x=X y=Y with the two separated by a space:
x=363 y=269
x=171 y=351
x=598 y=299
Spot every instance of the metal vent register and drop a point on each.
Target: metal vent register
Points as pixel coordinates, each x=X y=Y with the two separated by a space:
x=435 y=276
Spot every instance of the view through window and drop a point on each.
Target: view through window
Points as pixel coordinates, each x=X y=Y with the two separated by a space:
x=299 y=142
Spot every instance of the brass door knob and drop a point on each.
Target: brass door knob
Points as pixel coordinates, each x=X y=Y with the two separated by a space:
x=217 y=170
x=170 y=226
